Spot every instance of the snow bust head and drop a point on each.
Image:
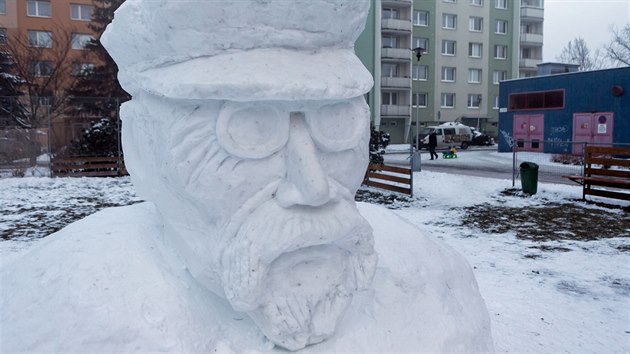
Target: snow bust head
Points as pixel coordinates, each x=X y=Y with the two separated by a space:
x=248 y=129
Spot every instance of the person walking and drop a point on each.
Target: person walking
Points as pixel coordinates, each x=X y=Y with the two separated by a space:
x=433 y=144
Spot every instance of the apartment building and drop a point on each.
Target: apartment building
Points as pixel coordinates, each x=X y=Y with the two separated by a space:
x=54 y=26
x=468 y=47
x=531 y=37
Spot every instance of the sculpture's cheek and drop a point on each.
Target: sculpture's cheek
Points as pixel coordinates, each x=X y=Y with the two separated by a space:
x=221 y=188
x=347 y=167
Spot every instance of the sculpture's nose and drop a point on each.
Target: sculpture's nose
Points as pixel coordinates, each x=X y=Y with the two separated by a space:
x=306 y=181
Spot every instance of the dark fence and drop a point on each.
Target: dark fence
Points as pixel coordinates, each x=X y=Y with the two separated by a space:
x=80 y=137
x=554 y=158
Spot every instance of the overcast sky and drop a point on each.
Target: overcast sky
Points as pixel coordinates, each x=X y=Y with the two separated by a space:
x=589 y=19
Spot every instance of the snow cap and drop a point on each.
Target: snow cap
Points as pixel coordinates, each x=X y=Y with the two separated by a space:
x=240 y=50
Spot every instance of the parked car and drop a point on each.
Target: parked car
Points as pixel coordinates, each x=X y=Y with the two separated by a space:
x=480 y=138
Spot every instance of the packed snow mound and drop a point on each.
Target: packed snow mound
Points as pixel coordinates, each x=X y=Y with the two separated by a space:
x=107 y=284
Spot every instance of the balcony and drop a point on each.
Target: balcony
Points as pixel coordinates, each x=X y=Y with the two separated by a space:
x=396 y=25
x=395 y=111
x=396 y=3
x=533 y=39
x=529 y=63
x=535 y=14
x=396 y=53
x=396 y=82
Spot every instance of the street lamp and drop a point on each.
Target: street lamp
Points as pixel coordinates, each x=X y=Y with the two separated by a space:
x=478 y=112
x=415 y=165
x=419 y=51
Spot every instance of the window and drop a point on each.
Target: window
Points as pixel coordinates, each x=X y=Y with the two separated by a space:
x=448 y=47
x=419 y=99
x=82 y=69
x=38 y=8
x=390 y=42
x=448 y=73
x=45 y=100
x=422 y=43
x=79 y=41
x=453 y=1
x=499 y=76
x=447 y=100
x=81 y=12
x=476 y=2
x=41 y=68
x=40 y=39
x=496 y=102
x=475 y=50
x=536 y=100
x=420 y=18
x=500 y=4
x=474 y=100
x=531 y=53
x=389 y=70
x=391 y=13
x=420 y=72
x=474 y=76
x=501 y=27
x=389 y=98
x=500 y=52
x=3 y=7
x=449 y=21
x=475 y=24
x=3 y=35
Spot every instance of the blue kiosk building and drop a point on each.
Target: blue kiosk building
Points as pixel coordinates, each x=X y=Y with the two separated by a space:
x=551 y=113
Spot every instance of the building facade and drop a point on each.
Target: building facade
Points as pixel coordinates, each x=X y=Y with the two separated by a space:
x=467 y=48
x=52 y=30
x=549 y=113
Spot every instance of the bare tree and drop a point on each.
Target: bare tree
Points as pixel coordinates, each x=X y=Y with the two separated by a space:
x=618 y=50
x=577 y=52
x=42 y=62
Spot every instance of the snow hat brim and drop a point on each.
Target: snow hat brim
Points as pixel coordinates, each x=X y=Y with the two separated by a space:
x=262 y=74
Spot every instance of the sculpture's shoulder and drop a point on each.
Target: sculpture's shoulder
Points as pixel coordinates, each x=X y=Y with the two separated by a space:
x=425 y=296
x=395 y=237
x=72 y=290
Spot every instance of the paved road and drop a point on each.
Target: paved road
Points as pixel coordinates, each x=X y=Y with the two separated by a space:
x=475 y=161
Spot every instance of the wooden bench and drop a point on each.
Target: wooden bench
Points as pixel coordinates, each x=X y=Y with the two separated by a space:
x=99 y=166
x=606 y=174
x=392 y=178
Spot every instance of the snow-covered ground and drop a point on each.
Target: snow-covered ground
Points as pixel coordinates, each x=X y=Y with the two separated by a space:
x=544 y=294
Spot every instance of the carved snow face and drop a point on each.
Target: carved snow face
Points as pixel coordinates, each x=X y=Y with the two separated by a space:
x=264 y=193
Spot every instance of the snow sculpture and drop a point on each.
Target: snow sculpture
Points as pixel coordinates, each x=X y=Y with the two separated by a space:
x=249 y=131
x=248 y=134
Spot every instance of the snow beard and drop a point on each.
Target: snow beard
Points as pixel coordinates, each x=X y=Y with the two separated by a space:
x=294 y=270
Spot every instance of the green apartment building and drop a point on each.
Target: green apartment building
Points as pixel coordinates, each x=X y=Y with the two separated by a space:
x=468 y=47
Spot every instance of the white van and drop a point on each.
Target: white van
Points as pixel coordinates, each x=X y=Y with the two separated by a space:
x=448 y=134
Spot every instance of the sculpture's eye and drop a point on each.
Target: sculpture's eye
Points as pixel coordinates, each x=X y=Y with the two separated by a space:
x=339 y=126
x=252 y=130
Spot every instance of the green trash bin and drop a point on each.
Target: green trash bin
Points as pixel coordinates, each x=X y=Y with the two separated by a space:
x=529 y=177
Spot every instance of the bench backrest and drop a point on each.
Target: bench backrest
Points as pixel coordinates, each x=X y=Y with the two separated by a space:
x=397 y=179
x=93 y=166
x=599 y=160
